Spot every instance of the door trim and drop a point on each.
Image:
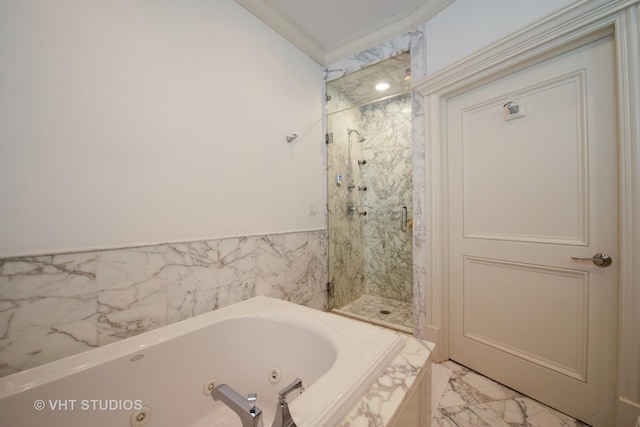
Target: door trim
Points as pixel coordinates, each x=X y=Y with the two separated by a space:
x=575 y=25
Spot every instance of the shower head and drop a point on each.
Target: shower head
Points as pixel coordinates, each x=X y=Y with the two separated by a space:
x=360 y=137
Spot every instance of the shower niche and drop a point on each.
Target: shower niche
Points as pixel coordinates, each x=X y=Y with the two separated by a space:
x=369 y=169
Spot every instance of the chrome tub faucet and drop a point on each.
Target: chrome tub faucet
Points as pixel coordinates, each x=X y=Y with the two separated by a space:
x=250 y=415
x=283 y=416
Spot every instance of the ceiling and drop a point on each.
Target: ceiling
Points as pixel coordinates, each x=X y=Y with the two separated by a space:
x=360 y=86
x=329 y=30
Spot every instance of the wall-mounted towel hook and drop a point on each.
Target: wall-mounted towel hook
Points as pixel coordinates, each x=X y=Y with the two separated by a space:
x=291 y=137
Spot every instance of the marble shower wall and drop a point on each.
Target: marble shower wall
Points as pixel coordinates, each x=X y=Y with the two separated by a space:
x=58 y=305
x=388 y=177
x=414 y=42
x=386 y=264
x=346 y=239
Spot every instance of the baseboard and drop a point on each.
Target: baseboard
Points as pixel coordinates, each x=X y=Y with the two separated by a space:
x=627 y=414
x=433 y=335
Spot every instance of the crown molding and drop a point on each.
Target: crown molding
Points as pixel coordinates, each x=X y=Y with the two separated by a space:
x=554 y=28
x=324 y=55
x=386 y=30
x=286 y=28
x=425 y=10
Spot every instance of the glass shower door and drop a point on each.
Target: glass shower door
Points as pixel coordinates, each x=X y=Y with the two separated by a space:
x=345 y=205
x=369 y=196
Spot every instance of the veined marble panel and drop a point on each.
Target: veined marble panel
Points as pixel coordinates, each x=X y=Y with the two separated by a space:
x=293 y=267
x=370 y=56
x=388 y=177
x=389 y=391
x=132 y=292
x=417 y=47
x=418 y=70
x=43 y=301
x=192 y=276
x=237 y=269
x=55 y=306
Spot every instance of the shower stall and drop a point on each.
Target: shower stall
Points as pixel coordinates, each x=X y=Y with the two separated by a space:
x=369 y=171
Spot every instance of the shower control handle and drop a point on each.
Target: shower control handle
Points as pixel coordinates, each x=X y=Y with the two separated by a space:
x=350 y=209
x=363 y=213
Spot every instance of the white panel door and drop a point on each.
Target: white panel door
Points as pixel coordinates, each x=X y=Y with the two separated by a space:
x=529 y=190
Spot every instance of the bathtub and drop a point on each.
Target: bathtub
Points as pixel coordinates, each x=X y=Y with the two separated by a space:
x=164 y=377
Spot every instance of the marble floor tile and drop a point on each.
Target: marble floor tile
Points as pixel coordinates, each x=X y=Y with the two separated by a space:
x=477 y=415
x=473 y=400
x=524 y=411
x=468 y=387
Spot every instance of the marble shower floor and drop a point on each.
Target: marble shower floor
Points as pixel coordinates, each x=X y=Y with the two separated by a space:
x=472 y=400
x=374 y=309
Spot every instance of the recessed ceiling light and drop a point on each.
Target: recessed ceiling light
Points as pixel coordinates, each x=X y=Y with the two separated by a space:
x=382 y=86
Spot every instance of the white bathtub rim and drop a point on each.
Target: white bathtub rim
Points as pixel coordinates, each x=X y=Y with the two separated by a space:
x=312 y=408
x=304 y=409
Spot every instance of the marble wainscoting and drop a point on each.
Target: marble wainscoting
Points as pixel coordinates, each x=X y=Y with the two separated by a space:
x=58 y=305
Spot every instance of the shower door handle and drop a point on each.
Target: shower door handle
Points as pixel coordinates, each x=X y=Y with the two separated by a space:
x=404 y=218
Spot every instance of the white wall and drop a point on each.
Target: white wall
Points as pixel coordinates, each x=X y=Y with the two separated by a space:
x=134 y=122
x=466 y=26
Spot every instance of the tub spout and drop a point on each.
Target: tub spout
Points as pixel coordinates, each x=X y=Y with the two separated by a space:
x=249 y=413
x=283 y=416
